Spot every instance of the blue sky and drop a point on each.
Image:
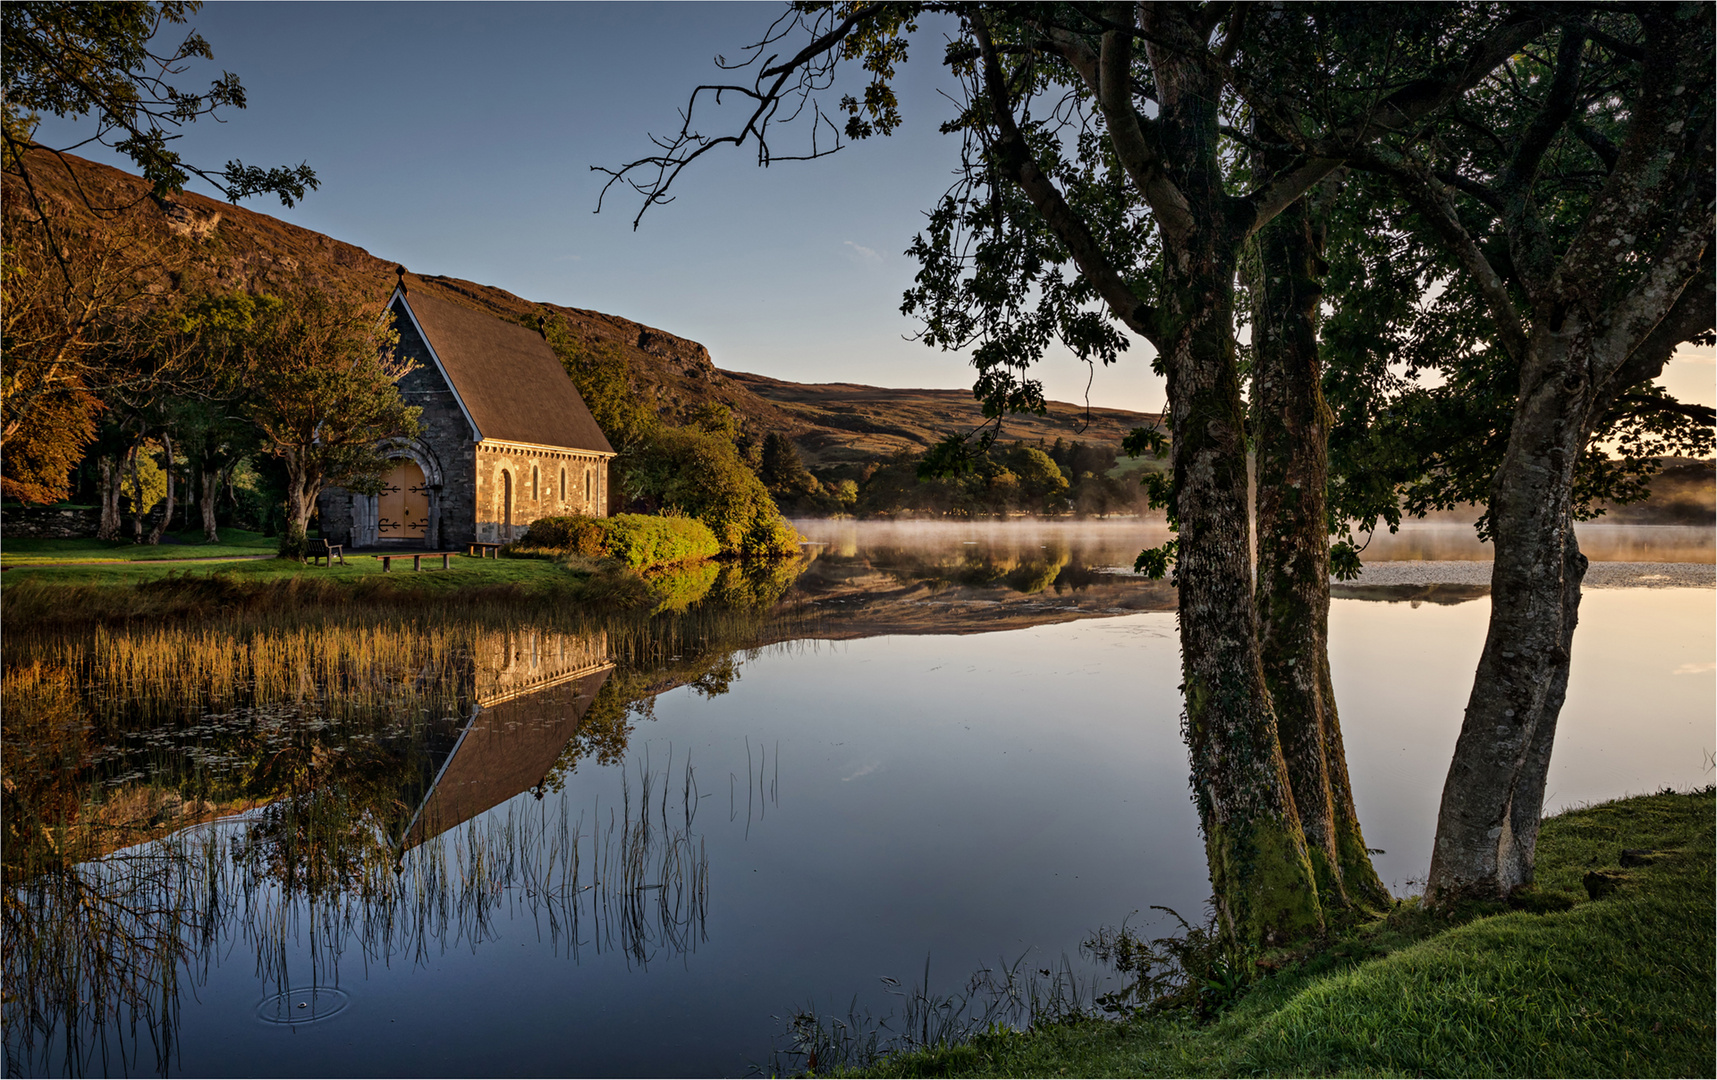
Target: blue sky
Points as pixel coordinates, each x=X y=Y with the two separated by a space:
x=458 y=138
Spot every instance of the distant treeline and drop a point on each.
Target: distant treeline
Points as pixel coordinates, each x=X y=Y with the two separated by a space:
x=1060 y=479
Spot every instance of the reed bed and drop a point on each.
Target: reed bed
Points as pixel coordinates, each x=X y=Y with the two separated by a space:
x=98 y=954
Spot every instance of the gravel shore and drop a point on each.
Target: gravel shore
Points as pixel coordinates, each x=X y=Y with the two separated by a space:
x=1599 y=575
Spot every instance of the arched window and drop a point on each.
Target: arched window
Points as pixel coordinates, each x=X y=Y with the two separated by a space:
x=535 y=494
x=507 y=504
x=563 y=485
x=588 y=494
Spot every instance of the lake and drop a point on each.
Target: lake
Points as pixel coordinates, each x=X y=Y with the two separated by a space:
x=637 y=848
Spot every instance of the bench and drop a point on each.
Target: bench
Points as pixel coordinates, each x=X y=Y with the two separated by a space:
x=485 y=550
x=416 y=558
x=321 y=553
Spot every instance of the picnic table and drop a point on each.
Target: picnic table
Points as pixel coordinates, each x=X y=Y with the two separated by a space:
x=416 y=558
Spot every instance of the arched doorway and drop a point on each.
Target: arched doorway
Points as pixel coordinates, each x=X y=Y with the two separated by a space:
x=402 y=507
x=506 y=505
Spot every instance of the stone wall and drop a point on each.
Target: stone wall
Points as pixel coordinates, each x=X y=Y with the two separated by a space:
x=49 y=522
x=443 y=449
x=544 y=481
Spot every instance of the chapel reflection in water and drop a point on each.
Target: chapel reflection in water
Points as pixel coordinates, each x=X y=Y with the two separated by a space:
x=128 y=871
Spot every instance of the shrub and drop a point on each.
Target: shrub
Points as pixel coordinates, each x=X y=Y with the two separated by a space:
x=638 y=540
x=642 y=540
x=700 y=473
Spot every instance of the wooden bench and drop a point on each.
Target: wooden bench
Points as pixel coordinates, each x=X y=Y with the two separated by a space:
x=416 y=558
x=485 y=550
x=323 y=553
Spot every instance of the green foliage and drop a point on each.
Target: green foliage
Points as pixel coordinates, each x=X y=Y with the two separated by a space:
x=699 y=473
x=960 y=477
x=1042 y=487
x=320 y=374
x=782 y=471
x=640 y=541
x=603 y=375
x=107 y=62
x=146 y=482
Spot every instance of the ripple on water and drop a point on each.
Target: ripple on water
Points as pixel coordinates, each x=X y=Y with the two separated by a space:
x=304 y=1005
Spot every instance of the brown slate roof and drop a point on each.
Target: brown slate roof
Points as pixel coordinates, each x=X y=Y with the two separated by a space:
x=506 y=749
x=511 y=382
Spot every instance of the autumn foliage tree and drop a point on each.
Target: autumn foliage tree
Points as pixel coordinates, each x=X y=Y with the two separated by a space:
x=319 y=371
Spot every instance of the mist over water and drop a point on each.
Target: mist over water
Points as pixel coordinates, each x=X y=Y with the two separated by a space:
x=1115 y=542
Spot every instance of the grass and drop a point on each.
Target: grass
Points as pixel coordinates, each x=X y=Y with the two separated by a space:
x=1621 y=986
x=120 y=592
x=235 y=543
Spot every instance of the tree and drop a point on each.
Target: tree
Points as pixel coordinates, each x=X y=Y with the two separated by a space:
x=696 y=470
x=1101 y=194
x=1571 y=207
x=103 y=61
x=1043 y=488
x=320 y=373
x=81 y=278
x=1290 y=434
x=86 y=325
x=604 y=380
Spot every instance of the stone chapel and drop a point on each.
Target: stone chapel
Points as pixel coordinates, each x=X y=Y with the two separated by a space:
x=506 y=437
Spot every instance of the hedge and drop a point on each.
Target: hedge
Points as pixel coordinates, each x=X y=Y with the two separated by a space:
x=638 y=540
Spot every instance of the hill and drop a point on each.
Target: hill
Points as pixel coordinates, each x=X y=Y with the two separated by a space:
x=831 y=422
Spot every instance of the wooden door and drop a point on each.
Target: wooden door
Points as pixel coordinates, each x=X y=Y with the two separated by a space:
x=402 y=508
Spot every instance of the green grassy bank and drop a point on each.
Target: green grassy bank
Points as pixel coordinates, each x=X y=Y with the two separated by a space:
x=1618 y=986
x=69 y=581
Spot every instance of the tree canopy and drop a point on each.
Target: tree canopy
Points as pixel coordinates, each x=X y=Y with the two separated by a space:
x=1122 y=168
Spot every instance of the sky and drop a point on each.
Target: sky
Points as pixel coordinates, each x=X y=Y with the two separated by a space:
x=458 y=139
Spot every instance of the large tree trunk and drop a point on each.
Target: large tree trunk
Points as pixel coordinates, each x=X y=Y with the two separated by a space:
x=1291 y=438
x=112 y=480
x=1486 y=825
x=303 y=484
x=1265 y=889
x=167 y=510
x=1263 y=879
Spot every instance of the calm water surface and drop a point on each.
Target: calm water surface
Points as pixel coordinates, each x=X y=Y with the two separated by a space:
x=575 y=851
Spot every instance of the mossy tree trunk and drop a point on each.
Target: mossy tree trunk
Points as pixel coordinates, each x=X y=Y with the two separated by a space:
x=1602 y=315
x=1261 y=873
x=1291 y=440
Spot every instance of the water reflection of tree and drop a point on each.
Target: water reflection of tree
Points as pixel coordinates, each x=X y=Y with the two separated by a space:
x=977 y=567
x=111 y=905
x=83 y=942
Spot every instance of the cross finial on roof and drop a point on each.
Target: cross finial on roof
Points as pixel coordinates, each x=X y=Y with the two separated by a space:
x=400 y=272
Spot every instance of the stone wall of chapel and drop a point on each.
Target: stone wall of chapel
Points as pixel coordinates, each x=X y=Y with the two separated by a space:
x=446 y=439
x=585 y=491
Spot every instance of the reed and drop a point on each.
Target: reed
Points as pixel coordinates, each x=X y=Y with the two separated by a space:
x=100 y=951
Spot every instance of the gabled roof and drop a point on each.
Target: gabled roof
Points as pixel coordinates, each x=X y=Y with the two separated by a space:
x=510 y=382
x=505 y=749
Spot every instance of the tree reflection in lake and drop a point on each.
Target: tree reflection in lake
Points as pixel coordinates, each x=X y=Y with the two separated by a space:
x=145 y=837
x=209 y=825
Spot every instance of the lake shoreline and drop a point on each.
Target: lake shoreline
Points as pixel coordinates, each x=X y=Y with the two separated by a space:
x=1605 y=968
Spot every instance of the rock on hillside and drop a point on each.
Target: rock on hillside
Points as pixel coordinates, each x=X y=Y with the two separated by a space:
x=832 y=422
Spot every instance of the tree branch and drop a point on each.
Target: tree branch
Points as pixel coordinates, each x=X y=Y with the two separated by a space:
x=1015 y=157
